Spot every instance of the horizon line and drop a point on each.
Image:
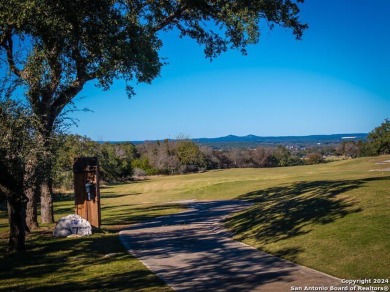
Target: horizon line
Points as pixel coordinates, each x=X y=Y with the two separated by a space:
x=347 y=135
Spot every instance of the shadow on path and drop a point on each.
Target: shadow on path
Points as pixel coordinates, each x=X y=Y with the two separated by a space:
x=191 y=251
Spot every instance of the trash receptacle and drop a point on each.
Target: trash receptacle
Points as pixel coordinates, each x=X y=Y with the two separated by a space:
x=86 y=189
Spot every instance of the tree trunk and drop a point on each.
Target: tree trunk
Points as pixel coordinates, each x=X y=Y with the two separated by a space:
x=32 y=185
x=46 y=189
x=31 y=210
x=17 y=222
x=47 y=214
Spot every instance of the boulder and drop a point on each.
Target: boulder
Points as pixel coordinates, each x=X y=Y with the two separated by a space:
x=72 y=224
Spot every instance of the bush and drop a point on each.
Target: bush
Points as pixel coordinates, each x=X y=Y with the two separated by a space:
x=314 y=158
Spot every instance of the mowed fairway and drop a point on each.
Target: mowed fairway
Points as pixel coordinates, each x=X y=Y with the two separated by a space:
x=332 y=217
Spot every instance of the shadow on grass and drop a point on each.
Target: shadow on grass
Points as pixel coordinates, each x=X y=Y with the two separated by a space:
x=115 y=218
x=59 y=197
x=290 y=210
x=114 y=184
x=110 y=195
x=65 y=262
x=62 y=265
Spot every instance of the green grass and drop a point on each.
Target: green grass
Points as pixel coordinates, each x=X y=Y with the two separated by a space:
x=332 y=217
x=75 y=264
x=340 y=227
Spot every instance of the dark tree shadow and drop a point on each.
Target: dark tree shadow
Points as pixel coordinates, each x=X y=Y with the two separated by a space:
x=42 y=260
x=282 y=212
x=110 y=195
x=115 y=218
x=113 y=184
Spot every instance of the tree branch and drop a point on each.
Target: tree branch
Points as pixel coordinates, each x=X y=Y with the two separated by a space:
x=56 y=70
x=66 y=95
x=170 y=18
x=7 y=44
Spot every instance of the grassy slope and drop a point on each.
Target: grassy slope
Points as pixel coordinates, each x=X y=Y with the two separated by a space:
x=332 y=217
x=336 y=220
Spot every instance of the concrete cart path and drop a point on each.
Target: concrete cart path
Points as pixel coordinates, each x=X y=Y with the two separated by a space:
x=191 y=251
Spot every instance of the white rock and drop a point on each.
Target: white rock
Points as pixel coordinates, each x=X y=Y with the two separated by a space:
x=72 y=224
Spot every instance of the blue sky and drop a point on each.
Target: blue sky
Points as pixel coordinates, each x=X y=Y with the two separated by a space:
x=335 y=80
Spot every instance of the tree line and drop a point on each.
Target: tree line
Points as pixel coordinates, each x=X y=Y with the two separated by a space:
x=22 y=156
x=124 y=161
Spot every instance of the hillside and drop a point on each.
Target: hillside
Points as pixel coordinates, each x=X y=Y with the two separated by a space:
x=253 y=140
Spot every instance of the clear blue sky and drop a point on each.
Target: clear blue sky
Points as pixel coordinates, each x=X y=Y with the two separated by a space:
x=336 y=80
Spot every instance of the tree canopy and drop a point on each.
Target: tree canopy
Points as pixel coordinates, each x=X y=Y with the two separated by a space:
x=18 y=148
x=379 y=139
x=68 y=43
x=54 y=47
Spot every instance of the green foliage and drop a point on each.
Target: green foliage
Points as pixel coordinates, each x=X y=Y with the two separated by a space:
x=366 y=149
x=189 y=154
x=72 y=146
x=284 y=157
x=115 y=159
x=62 y=45
x=143 y=164
x=18 y=154
x=16 y=145
x=69 y=43
x=170 y=157
x=118 y=162
x=379 y=139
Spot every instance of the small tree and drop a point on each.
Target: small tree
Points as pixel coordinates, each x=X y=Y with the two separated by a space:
x=116 y=161
x=263 y=157
x=190 y=156
x=379 y=139
x=71 y=147
x=314 y=158
x=18 y=150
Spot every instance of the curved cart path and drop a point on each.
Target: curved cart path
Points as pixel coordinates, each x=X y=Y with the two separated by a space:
x=191 y=251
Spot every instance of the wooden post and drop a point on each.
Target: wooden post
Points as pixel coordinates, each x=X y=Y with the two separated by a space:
x=86 y=171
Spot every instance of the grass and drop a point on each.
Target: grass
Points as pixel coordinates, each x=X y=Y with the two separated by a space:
x=340 y=227
x=332 y=217
x=75 y=264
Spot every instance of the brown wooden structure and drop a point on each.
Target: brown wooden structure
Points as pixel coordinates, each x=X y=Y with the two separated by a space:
x=86 y=189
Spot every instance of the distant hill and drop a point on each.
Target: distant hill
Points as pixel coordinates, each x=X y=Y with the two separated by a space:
x=253 y=140
x=282 y=139
x=231 y=141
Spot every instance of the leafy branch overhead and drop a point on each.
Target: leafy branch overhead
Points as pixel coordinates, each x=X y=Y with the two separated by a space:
x=69 y=43
x=54 y=47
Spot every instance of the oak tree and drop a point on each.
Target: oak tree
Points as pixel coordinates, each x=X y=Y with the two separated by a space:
x=379 y=139
x=55 y=47
x=18 y=151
